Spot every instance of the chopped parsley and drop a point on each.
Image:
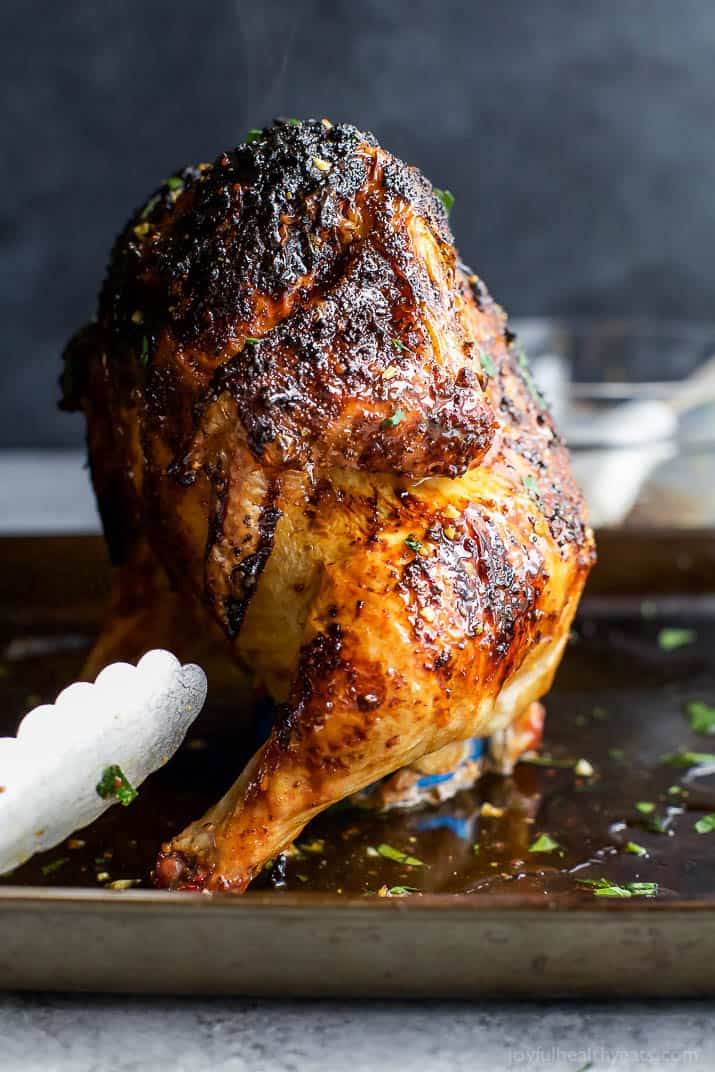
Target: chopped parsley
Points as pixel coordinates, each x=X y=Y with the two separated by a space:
x=114 y=783
x=682 y=758
x=702 y=716
x=150 y=206
x=642 y=889
x=603 y=887
x=251 y=340
x=316 y=846
x=175 y=183
x=612 y=891
x=294 y=122
x=399 y=345
x=254 y=134
x=485 y=360
x=636 y=849
x=446 y=197
x=392 y=422
x=124 y=883
x=645 y=807
x=476 y=848
x=533 y=488
x=526 y=374
x=54 y=865
x=672 y=639
x=658 y=825
x=544 y=843
x=398 y=856
x=144 y=352
x=402 y=891
x=414 y=545
x=705 y=825
x=536 y=760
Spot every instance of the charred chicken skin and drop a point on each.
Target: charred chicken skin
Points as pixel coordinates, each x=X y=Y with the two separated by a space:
x=311 y=417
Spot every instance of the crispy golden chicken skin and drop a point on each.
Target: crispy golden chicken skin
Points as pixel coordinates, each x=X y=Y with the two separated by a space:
x=314 y=418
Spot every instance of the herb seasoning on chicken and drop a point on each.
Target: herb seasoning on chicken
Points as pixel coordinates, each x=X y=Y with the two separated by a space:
x=309 y=422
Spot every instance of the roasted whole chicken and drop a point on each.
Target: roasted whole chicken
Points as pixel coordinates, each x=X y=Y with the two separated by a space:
x=315 y=442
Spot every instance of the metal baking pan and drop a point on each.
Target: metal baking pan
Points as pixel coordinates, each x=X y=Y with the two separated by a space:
x=498 y=920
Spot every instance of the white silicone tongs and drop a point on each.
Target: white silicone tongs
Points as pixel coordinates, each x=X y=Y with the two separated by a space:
x=92 y=748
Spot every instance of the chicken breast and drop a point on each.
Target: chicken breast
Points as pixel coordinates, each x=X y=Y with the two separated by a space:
x=314 y=419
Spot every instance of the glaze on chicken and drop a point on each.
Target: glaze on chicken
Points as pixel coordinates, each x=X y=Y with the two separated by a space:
x=313 y=419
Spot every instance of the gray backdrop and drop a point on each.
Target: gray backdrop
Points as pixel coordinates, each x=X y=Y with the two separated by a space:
x=577 y=137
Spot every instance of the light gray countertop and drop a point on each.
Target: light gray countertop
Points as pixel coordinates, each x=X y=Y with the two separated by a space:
x=84 y=1034
x=57 y=1033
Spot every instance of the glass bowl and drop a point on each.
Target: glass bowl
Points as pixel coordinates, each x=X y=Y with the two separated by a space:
x=636 y=401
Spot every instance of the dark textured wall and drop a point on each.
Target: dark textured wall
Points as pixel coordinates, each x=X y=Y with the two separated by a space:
x=577 y=138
